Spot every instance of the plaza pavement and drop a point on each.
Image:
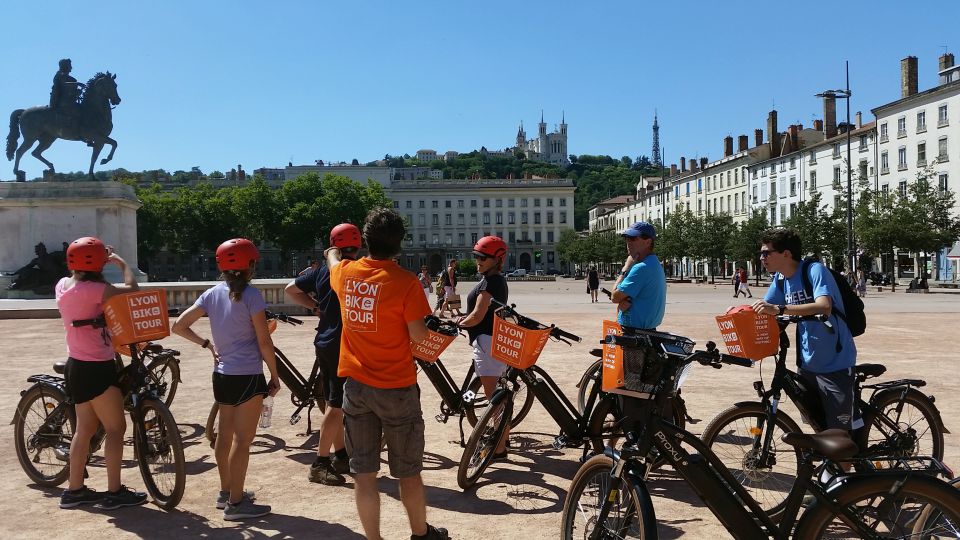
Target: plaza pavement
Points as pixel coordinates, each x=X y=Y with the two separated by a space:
x=911 y=334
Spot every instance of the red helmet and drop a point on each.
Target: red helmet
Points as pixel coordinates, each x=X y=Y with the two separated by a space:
x=345 y=235
x=87 y=254
x=491 y=246
x=236 y=254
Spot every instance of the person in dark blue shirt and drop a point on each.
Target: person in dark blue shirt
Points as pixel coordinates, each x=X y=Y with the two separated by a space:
x=315 y=283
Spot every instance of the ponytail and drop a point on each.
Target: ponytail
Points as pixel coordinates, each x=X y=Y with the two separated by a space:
x=237 y=281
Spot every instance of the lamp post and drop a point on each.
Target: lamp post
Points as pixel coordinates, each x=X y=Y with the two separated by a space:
x=845 y=94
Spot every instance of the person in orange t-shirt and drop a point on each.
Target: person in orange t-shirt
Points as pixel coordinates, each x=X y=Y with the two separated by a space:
x=382 y=307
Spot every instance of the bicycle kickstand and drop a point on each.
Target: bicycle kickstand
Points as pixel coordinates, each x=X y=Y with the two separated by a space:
x=463 y=443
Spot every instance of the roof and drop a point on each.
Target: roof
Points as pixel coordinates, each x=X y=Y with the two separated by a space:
x=944 y=88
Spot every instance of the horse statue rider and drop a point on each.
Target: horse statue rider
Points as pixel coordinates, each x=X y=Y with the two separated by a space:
x=65 y=94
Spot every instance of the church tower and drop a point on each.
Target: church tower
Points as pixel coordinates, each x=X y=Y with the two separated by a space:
x=563 y=124
x=521 y=138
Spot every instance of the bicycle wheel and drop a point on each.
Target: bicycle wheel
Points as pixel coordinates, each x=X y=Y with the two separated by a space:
x=164 y=376
x=735 y=436
x=590 y=379
x=479 y=402
x=159 y=452
x=603 y=428
x=42 y=431
x=918 y=429
x=908 y=506
x=213 y=421
x=631 y=514
x=482 y=443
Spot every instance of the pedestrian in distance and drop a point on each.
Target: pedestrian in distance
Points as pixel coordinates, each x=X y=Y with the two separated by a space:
x=327 y=469
x=425 y=281
x=91 y=372
x=240 y=344
x=593 y=283
x=449 y=281
x=735 y=279
x=382 y=308
x=742 y=285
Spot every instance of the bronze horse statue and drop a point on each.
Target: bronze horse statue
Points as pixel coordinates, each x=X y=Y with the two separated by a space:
x=91 y=122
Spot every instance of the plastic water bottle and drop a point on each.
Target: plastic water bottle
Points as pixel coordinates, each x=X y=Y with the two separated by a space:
x=267 y=412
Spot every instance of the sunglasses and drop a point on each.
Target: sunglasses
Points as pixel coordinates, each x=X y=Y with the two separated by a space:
x=641 y=237
x=481 y=258
x=764 y=253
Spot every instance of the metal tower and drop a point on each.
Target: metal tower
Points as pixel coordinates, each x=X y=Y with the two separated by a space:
x=655 y=158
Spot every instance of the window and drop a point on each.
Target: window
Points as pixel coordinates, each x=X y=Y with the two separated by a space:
x=447 y=204
x=754 y=174
x=549 y=237
x=536 y=218
x=883 y=132
x=943 y=182
x=423 y=238
x=523 y=218
x=549 y=217
x=473 y=238
x=783 y=214
x=422 y=205
x=942 y=155
x=460 y=219
x=523 y=203
x=536 y=202
x=537 y=237
x=836 y=178
x=499 y=203
x=836 y=150
x=793 y=162
x=793 y=186
x=563 y=202
x=473 y=219
x=499 y=218
x=563 y=215
x=813 y=181
x=736 y=203
x=435 y=220
x=550 y=202
x=901 y=127
x=942 y=115
x=688 y=189
x=473 y=203
x=863 y=143
x=486 y=203
x=435 y=238
x=922 y=154
x=700 y=185
x=921 y=121
x=884 y=162
x=728 y=178
x=728 y=203
x=461 y=239
x=783 y=187
x=486 y=218
x=448 y=219
x=902 y=158
x=511 y=203
x=902 y=188
x=434 y=204
x=460 y=203
x=512 y=237
x=754 y=193
x=511 y=218
x=409 y=204
x=423 y=220
x=448 y=239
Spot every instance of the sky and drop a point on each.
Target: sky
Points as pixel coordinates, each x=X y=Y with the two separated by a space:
x=214 y=84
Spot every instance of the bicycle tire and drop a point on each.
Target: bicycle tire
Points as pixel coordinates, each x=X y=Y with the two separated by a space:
x=483 y=440
x=632 y=514
x=922 y=413
x=729 y=436
x=870 y=498
x=164 y=372
x=41 y=463
x=159 y=452
x=210 y=428
x=929 y=514
x=591 y=377
x=602 y=427
x=480 y=402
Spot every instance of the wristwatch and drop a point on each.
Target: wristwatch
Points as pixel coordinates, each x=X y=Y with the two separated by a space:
x=780 y=309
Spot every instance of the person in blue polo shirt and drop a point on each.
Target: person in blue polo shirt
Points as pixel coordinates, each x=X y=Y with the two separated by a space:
x=641 y=290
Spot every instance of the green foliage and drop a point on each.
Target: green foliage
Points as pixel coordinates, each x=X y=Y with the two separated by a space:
x=744 y=242
x=673 y=240
x=823 y=233
x=466 y=267
x=710 y=235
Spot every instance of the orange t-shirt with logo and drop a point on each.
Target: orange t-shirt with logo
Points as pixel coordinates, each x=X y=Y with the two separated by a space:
x=377 y=300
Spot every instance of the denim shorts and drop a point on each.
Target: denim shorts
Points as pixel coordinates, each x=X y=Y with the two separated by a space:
x=395 y=414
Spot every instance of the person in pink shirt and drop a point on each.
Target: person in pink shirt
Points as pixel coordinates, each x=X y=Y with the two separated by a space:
x=91 y=372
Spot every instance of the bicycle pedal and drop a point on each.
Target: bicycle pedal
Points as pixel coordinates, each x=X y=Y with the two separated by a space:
x=442 y=418
x=559 y=442
x=294 y=419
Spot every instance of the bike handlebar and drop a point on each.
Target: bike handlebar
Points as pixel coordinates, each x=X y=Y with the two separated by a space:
x=712 y=356
x=436 y=324
x=825 y=319
x=283 y=317
x=555 y=331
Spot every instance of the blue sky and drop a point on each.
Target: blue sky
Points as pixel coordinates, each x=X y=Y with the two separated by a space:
x=213 y=84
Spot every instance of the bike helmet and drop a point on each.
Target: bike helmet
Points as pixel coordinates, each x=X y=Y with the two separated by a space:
x=87 y=254
x=236 y=254
x=345 y=235
x=491 y=246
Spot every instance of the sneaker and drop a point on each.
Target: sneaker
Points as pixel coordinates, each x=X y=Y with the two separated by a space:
x=224 y=497
x=324 y=473
x=122 y=497
x=340 y=465
x=244 y=509
x=433 y=533
x=84 y=495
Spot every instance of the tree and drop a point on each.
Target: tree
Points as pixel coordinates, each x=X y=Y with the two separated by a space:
x=873 y=221
x=712 y=238
x=673 y=240
x=744 y=243
x=924 y=218
x=822 y=232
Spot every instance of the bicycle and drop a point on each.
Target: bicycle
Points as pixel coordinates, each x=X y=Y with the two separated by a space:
x=608 y=497
x=305 y=393
x=469 y=397
x=45 y=421
x=588 y=429
x=898 y=422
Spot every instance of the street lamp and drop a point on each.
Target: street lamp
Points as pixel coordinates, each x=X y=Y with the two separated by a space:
x=845 y=94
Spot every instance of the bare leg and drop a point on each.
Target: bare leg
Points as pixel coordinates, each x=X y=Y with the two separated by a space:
x=368 y=503
x=245 y=429
x=80 y=445
x=489 y=387
x=108 y=407
x=224 y=443
x=331 y=431
x=415 y=503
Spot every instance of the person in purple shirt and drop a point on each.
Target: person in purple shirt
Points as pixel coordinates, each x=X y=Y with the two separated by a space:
x=241 y=345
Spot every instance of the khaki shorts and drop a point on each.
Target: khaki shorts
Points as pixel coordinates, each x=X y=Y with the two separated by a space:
x=395 y=413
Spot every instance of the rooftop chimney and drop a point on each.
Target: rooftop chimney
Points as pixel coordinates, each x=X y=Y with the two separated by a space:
x=947 y=73
x=673 y=169
x=946 y=61
x=859 y=120
x=683 y=164
x=758 y=137
x=908 y=76
x=743 y=142
x=829 y=116
x=818 y=125
x=703 y=163
x=772 y=134
x=693 y=165
x=727 y=146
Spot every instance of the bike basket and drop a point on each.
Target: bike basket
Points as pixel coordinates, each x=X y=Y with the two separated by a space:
x=515 y=345
x=749 y=334
x=639 y=371
x=432 y=347
x=137 y=316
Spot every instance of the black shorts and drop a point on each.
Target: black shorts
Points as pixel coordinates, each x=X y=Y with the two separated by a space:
x=88 y=379
x=235 y=390
x=836 y=397
x=328 y=359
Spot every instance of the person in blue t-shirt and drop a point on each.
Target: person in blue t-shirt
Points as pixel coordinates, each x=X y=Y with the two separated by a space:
x=316 y=282
x=641 y=291
x=826 y=358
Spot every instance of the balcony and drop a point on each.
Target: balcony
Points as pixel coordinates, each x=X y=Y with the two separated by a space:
x=901 y=133
x=901 y=166
x=884 y=138
x=884 y=170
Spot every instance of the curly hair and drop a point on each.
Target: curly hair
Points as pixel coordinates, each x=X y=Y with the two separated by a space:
x=383 y=232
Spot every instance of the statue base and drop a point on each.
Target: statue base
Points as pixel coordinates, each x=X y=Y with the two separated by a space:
x=58 y=212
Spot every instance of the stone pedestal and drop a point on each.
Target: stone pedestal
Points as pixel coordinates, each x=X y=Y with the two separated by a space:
x=58 y=212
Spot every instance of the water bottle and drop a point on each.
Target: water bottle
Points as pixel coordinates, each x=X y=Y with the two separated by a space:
x=267 y=412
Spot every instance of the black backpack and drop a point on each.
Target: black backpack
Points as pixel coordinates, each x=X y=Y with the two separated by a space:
x=853 y=314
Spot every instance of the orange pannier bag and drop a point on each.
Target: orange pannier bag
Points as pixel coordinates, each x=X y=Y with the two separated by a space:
x=749 y=334
x=432 y=346
x=515 y=345
x=136 y=317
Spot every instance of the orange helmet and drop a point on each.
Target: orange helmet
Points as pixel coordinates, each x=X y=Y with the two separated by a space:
x=491 y=246
x=236 y=254
x=345 y=235
x=87 y=254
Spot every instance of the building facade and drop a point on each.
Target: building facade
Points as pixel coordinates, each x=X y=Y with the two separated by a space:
x=547 y=147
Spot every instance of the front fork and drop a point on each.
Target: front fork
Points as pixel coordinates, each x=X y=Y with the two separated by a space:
x=765 y=458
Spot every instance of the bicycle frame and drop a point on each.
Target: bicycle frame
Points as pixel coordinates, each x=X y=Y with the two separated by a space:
x=304 y=393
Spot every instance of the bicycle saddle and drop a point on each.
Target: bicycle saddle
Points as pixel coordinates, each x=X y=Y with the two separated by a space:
x=153 y=348
x=870 y=370
x=831 y=443
x=59 y=367
x=597 y=352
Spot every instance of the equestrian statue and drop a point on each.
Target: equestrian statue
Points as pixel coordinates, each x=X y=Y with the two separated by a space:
x=77 y=112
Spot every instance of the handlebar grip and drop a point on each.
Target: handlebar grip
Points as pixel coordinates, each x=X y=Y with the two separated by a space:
x=558 y=333
x=173 y=312
x=623 y=341
x=736 y=360
x=293 y=320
